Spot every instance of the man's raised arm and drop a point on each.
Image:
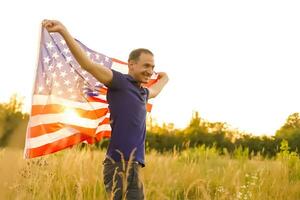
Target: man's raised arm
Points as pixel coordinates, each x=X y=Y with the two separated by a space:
x=100 y=72
x=156 y=88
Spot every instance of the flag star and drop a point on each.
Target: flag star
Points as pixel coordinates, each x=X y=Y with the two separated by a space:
x=67 y=82
x=76 y=77
x=83 y=72
x=46 y=60
x=88 y=54
x=70 y=90
x=98 y=83
x=97 y=56
x=69 y=59
x=63 y=42
x=49 y=45
x=95 y=93
x=86 y=79
x=106 y=59
x=63 y=74
x=40 y=89
x=44 y=74
x=66 y=50
x=72 y=70
x=50 y=67
x=55 y=55
x=59 y=65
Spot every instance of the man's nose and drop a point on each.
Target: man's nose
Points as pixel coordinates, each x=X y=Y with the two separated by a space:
x=150 y=72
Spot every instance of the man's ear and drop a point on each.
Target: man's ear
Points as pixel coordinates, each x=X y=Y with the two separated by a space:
x=130 y=64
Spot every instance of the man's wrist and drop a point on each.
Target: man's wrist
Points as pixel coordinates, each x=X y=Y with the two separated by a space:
x=64 y=32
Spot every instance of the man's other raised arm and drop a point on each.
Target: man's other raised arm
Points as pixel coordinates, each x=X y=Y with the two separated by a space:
x=156 y=88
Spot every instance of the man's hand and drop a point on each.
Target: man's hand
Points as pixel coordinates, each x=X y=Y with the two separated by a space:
x=53 y=26
x=162 y=75
x=156 y=88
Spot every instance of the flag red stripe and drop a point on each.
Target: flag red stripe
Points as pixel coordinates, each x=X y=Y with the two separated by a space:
x=105 y=121
x=50 y=128
x=149 y=107
x=55 y=146
x=103 y=134
x=119 y=61
x=95 y=99
x=103 y=90
x=99 y=137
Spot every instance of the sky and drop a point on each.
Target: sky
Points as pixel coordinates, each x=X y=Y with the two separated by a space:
x=232 y=61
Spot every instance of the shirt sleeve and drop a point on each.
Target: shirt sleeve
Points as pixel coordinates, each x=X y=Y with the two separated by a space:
x=118 y=81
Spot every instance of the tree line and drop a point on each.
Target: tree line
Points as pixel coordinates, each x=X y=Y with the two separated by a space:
x=166 y=138
x=219 y=135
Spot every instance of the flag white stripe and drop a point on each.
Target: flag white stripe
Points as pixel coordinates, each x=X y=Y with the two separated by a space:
x=66 y=119
x=103 y=127
x=57 y=135
x=50 y=137
x=46 y=100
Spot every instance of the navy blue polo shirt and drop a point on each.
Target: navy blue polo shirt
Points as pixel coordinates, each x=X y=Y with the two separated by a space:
x=127 y=104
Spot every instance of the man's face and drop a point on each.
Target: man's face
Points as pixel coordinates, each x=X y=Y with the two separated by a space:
x=142 y=69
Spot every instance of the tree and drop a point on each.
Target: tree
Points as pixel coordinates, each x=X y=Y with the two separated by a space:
x=11 y=116
x=290 y=131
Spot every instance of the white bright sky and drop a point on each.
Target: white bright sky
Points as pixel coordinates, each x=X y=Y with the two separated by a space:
x=233 y=61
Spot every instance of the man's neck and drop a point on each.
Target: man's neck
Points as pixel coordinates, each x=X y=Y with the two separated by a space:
x=139 y=84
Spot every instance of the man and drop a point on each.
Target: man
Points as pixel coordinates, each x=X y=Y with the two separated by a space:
x=127 y=100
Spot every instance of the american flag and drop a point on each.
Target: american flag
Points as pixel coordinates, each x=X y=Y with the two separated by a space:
x=68 y=104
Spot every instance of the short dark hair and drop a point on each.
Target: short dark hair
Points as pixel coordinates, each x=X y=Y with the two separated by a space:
x=135 y=54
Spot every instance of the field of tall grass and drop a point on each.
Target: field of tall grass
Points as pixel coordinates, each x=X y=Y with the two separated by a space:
x=198 y=173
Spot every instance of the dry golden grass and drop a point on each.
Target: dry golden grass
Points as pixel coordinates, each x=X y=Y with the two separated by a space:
x=193 y=174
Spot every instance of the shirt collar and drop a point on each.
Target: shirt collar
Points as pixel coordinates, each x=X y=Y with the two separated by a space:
x=131 y=79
